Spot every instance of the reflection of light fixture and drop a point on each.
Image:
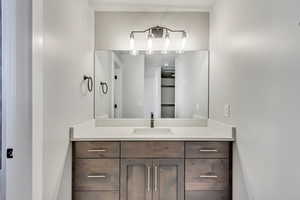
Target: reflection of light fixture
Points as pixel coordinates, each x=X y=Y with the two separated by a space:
x=158 y=32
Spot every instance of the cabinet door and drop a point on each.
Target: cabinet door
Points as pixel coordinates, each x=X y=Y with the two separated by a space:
x=168 y=179
x=136 y=179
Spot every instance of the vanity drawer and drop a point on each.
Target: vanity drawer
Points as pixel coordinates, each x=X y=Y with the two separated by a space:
x=207 y=149
x=206 y=174
x=96 y=174
x=96 y=195
x=152 y=149
x=210 y=195
x=97 y=149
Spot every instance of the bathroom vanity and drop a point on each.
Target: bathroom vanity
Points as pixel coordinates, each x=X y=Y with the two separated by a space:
x=158 y=170
x=162 y=166
x=178 y=154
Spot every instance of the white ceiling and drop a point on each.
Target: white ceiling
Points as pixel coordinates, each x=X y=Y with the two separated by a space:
x=152 y=5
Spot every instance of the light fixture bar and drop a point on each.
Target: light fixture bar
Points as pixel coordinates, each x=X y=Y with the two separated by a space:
x=158 y=32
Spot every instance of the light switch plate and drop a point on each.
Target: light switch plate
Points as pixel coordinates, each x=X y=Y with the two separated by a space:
x=227 y=110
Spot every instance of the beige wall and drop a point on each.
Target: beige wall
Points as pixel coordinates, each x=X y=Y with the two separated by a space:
x=113 y=28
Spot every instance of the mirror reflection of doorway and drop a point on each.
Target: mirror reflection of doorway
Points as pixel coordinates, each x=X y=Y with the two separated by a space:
x=168 y=92
x=117 y=91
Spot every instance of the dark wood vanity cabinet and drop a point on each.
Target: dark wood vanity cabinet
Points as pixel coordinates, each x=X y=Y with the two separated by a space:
x=151 y=170
x=152 y=179
x=208 y=171
x=96 y=171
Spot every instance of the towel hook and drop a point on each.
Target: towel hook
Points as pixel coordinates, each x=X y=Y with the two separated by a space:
x=104 y=87
x=89 y=82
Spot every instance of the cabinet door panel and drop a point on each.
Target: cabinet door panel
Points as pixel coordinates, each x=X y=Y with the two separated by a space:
x=136 y=179
x=168 y=179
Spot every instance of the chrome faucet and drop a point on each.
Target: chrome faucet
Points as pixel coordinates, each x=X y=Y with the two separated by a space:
x=152 y=120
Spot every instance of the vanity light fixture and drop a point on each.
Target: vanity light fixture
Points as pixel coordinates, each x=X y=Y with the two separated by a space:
x=158 y=32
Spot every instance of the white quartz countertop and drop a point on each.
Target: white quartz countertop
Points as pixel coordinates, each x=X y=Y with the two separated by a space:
x=214 y=131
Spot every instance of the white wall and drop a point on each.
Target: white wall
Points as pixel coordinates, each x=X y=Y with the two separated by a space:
x=68 y=55
x=255 y=60
x=113 y=29
x=16 y=79
x=132 y=86
x=103 y=73
x=152 y=91
x=191 y=84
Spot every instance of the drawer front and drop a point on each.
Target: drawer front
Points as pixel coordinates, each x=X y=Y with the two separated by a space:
x=97 y=149
x=96 y=195
x=152 y=149
x=96 y=174
x=206 y=174
x=210 y=195
x=207 y=149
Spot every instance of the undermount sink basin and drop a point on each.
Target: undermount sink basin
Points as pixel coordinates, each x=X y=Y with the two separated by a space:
x=152 y=131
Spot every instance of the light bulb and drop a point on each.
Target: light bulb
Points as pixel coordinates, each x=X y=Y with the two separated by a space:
x=183 y=42
x=167 y=43
x=133 y=51
x=150 y=43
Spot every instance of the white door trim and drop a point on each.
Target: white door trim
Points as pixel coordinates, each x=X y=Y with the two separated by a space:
x=37 y=99
x=8 y=80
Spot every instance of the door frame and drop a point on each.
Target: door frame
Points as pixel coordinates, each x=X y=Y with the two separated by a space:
x=37 y=99
x=2 y=135
x=8 y=82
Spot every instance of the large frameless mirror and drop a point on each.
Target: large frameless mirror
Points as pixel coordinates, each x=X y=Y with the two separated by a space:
x=168 y=85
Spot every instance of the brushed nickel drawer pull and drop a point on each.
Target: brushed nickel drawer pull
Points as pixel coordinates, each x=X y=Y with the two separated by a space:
x=96 y=176
x=155 y=178
x=97 y=150
x=208 y=150
x=206 y=176
x=148 y=178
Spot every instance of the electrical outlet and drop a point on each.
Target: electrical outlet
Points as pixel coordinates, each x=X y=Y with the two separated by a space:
x=227 y=110
x=10 y=153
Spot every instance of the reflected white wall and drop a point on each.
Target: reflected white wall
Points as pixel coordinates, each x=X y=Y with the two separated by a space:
x=103 y=72
x=132 y=86
x=152 y=91
x=191 y=85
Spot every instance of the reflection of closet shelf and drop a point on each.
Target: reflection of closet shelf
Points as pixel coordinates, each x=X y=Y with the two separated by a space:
x=168 y=105
x=168 y=86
